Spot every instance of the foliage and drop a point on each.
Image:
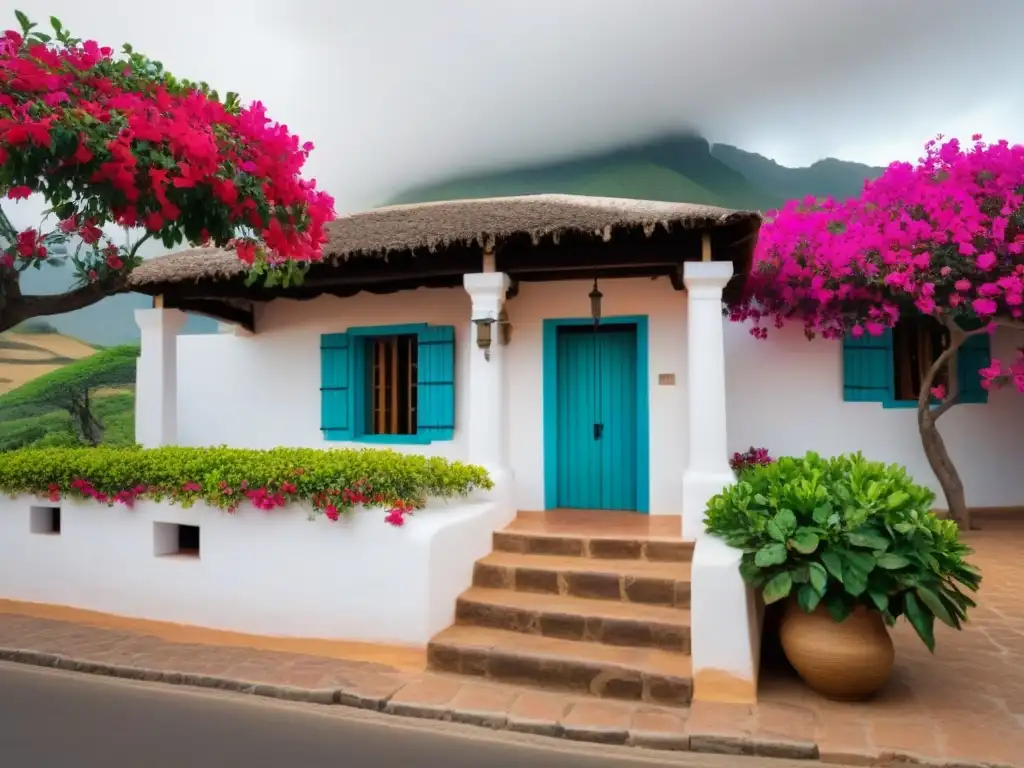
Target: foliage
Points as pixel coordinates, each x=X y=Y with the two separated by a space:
x=846 y=532
x=944 y=237
x=47 y=426
x=116 y=139
x=332 y=482
x=750 y=458
x=72 y=387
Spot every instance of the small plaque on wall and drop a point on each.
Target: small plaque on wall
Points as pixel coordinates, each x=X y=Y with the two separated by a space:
x=666 y=379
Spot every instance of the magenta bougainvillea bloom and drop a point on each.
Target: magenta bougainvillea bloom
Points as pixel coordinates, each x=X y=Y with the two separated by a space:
x=944 y=235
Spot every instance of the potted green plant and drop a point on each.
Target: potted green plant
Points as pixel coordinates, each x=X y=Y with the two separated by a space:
x=852 y=545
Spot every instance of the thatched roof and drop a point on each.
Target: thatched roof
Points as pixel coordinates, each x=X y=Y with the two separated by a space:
x=437 y=226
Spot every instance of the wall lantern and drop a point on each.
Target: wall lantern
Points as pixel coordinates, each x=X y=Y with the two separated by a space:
x=595 y=303
x=485 y=334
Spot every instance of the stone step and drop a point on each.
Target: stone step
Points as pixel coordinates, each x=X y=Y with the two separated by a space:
x=654 y=548
x=632 y=581
x=635 y=674
x=576 y=618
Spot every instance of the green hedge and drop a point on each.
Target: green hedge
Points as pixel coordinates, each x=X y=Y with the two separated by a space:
x=332 y=481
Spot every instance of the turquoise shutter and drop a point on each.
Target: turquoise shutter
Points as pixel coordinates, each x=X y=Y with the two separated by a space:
x=867 y=368
x=973 y=355
x=335 y=394
x=435 y=382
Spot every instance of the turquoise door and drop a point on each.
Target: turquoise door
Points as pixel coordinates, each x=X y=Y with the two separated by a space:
x=597 y=417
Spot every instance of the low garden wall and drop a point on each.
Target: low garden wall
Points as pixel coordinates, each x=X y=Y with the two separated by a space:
x=360 y=545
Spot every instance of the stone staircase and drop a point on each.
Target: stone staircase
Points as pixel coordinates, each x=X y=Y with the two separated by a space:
x=605 y=613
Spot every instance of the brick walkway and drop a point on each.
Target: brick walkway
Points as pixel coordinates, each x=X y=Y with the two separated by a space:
x=962 y=707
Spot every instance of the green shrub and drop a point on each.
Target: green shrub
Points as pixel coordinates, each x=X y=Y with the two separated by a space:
x=333 y=481
x=846 y=531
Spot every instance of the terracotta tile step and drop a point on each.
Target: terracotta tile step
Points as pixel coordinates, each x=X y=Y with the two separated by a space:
x=655 y=548
x=576 y=618
x=635 y=674
x=633 y=581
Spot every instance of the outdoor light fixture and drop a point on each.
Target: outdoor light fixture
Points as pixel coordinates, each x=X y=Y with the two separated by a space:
x=595 y=303
x=485 y=336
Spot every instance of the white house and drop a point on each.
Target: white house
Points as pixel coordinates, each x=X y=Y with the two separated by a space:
x=574 y=347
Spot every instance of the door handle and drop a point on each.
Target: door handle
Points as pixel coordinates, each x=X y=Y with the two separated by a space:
x=598 y=430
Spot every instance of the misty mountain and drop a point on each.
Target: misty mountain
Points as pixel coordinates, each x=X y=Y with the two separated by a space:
x=677 y=168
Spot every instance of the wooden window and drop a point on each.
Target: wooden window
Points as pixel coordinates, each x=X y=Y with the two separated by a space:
x=392 y=369
x=889 y=368
x=917 y=342
x=388 y=384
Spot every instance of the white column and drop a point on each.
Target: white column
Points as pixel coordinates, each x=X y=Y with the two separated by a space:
x=156 y=382
x=707 y=471
x=487 y=444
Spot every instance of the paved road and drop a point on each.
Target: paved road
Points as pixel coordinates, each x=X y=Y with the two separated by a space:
x=52 y=719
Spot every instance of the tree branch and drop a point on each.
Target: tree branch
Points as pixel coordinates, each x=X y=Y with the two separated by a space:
x=24 y=307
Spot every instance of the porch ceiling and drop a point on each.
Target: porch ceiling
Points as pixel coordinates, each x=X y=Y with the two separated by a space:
x=543 y=237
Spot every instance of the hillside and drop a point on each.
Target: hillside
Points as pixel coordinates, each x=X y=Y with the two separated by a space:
x=37 y=412
x=679 y=168
x=35 y=349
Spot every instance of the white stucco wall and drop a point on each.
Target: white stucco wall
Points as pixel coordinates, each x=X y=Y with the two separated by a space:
x=275 y=573
x=784 y=393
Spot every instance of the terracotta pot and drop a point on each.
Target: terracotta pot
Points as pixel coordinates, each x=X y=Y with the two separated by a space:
x=846 y=661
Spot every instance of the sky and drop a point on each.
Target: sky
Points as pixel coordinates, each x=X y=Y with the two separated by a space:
x=395 y=93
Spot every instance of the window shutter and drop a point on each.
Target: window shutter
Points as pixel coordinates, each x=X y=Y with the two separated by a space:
x=435 y=382
x=867 y=368
x=973 y=355
x=335 y=393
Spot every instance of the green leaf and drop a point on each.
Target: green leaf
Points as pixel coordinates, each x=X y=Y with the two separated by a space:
x=770 y=554
x=55 y=23
x=819 y=578
x=778 y=587
x=786 y=521
x=897 y=499
x=921 y=620
x=860 y=561
x=855 y=582
x=42 y=37
x=880 y=599
x=822 y=513
x=868 y=540
x=934 y=603
x=838 y=608
x=892 y=562
x=808 y=598
x=804 y=541
x=23 y=21
x=749 y=570
x=834 y=564
x=773 y=530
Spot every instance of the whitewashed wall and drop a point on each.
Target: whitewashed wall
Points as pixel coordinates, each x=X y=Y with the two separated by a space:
x=269 y=573
x=784 y=393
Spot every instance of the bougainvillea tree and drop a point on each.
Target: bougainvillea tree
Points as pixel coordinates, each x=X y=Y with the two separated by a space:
x=114 y=139
x=943 y=237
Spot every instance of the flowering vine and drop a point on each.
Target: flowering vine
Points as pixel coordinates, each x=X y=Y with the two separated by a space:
x=943 y=237
x=332 y=503
x=116 y=139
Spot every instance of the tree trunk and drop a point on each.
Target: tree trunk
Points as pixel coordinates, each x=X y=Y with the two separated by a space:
x=88 y=425
x=934 y=446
